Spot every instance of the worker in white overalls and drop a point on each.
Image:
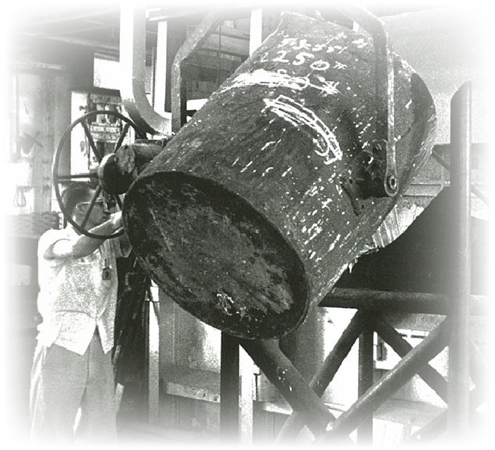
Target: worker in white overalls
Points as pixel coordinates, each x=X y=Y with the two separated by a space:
x=73 y=374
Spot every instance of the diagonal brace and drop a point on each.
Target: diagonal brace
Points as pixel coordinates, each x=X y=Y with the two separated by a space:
x=325 y=375
x=420 y=355
x=267 y=355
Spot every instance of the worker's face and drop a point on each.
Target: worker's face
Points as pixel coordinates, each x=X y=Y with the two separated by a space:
x=95 y=215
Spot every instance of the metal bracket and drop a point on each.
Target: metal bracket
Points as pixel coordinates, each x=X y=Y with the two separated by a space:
x=378 y=176
x=193 y=43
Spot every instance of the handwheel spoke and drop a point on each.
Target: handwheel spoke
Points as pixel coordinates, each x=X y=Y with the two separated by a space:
x=92 y=144
x=122 y=136
x=99 y=154
x=76 y=176
x=91 y=206
x=119 y=201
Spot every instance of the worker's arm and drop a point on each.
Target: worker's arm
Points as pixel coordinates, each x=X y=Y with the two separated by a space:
x=84 y=245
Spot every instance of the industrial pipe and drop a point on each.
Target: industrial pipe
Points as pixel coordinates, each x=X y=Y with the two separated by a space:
x=132 y=62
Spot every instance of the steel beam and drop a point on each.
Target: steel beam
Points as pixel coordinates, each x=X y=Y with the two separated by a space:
x=229 y=388
x=431 y=376
x=480 y=373
x=480 y=369
x=438 y=426
x=410 y=302
x=439 y=159
x=366 y=366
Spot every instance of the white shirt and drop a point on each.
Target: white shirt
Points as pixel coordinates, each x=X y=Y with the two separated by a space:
x=74 y=299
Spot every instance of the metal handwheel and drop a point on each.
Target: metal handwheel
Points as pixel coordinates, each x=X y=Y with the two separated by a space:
x=96 y=176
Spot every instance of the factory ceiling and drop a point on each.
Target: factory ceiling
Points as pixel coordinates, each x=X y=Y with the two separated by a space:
x=97 y=25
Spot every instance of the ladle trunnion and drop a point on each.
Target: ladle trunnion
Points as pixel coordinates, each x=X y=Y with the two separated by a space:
x=254 y=209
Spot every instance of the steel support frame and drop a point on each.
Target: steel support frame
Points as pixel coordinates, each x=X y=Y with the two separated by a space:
x=458 y=305
x=304 y=398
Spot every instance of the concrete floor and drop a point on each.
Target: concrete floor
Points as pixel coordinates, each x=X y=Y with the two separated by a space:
x=393 y=422
x=133 y=436
x=16 y=421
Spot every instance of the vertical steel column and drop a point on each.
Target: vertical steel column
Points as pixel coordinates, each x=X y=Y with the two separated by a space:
x=229 y=388
x=365 y=430
x=461 y=281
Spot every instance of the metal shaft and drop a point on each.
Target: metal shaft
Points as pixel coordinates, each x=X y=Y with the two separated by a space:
x=366 y=369
x=392 y=337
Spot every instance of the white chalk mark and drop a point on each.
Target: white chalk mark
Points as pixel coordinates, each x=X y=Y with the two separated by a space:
x=269 y=169
x=327 y=145
x=286 y=172
x=245 y=168
x=276 y=79
x=360 y=42
x=267 y=145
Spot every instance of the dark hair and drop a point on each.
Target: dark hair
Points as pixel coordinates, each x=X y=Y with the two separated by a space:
x=75 y=193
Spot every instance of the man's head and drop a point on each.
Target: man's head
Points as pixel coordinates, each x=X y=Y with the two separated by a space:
x=77 y=198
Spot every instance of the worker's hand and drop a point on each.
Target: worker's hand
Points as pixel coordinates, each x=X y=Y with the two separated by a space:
x=84 y=245
x=116 y=221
